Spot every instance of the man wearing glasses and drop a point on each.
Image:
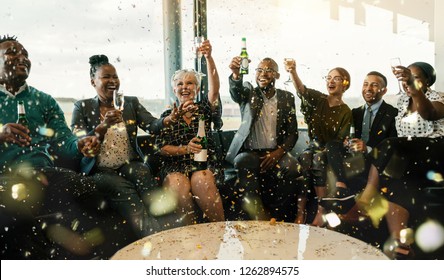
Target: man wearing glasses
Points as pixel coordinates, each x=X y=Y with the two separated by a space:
x=266 y=171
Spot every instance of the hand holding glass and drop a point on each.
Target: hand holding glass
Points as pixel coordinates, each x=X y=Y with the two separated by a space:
x=197 y=45
x=394 y=63
x=288 y=62
x=118 y=100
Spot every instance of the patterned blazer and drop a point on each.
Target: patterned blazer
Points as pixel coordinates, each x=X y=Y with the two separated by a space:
x=251 y=102
x=86 y=116
x=383 y=125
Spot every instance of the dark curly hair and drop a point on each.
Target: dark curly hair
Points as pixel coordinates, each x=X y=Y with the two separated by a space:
x=96 y=61
x=5 y=38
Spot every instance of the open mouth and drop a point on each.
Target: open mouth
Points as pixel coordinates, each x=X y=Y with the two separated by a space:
x=111 y=88
x=23 y=66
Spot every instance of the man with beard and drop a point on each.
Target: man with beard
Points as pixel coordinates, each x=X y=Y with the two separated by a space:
x=38 y=199
x=266 y=171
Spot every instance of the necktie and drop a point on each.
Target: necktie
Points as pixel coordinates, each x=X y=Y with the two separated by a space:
x=367 y=124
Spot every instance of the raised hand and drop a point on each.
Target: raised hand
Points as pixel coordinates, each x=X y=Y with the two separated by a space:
x=206 y=48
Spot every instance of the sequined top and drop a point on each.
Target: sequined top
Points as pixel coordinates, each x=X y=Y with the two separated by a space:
x=115 y=149
x=180 y=134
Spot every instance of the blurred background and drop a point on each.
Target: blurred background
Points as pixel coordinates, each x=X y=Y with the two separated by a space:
x=360 y=36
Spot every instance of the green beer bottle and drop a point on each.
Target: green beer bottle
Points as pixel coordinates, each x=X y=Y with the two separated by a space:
x=22 y=114
x=200 y=159
x=244 y=56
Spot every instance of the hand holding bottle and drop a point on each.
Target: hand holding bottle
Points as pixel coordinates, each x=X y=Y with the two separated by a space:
x=194 y=146
x=245 y=62
x=15 y=133
x=235 y=66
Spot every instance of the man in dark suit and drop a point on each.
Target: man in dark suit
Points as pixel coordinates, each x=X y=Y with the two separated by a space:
x=374 y=121
x=260 y=149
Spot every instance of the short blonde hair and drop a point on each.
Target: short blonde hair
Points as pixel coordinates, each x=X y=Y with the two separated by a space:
x=179 y=74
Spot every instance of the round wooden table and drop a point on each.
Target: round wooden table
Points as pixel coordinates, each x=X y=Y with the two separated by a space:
x=249 y=240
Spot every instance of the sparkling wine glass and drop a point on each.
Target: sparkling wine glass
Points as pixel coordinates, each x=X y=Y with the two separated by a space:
x=118 y=100
x=197 y=45
x=286 y=62
x=394 y=63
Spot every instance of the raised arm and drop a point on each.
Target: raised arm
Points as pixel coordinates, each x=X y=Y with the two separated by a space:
x=427 y=109
x=290 y=66
x=213 y=75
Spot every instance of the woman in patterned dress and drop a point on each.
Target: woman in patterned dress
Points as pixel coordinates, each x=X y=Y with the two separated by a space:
x=177 y=145
x=418 y=150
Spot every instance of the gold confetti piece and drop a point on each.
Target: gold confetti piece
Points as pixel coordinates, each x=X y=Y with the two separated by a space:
x=272 y=221
x=19 y=192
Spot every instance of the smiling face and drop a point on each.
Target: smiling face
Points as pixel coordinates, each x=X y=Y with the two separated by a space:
x=14 y=63
x=420 y=79
x=336 y=83
x=267 y=73
x=185 y=86
x=373 y=89
x=106 y=81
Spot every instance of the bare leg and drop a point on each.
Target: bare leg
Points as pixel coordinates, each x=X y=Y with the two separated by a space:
x=371 y=189
x=301 y=211
x=203 y=186
x=397 y=219
x=319 y=219
x=180 y=185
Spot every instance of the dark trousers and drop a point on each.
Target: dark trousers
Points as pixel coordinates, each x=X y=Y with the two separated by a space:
x=276 y=189
x=128 y=191
x=42 y=215
x=410 y=166
x=350 y=168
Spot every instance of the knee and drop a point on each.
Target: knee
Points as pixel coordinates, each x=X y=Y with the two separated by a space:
x=290 y=167
x=247 y=161
x=203 y=179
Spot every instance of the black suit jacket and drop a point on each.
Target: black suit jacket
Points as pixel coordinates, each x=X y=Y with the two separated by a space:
x=383 y=125
x=86 y=116
x=251 y=101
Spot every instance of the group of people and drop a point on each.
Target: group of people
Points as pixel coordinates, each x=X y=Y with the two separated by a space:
x=269 y=177
x=103 y=139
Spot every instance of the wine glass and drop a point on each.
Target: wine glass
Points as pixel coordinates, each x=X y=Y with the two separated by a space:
x=394 y=63
x=197 y=44
x=286 y=62
x=118 y=100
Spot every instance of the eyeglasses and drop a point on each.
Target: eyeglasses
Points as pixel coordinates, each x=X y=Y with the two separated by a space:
x=266 y=70
x=337 y=79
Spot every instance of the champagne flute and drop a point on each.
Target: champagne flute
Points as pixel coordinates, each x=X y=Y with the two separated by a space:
x=394 y=63
x=197 y=44
x=118 y=100
x=286 y=62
